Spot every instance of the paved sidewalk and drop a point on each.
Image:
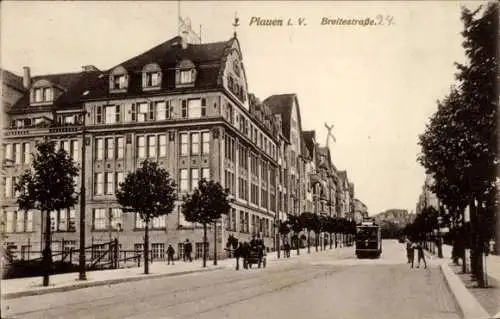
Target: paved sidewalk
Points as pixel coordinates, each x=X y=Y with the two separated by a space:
x=474 y=302
x=492 y=262
x=15 y=288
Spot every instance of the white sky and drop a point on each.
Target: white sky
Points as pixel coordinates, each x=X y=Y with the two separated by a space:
x=377 y=84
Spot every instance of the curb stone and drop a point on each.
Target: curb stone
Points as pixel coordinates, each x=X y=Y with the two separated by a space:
x=80 y=285
x=469 y=306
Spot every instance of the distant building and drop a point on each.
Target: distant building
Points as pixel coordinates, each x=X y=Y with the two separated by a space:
x=360 y=211
x=396 y=216
x=427 y=198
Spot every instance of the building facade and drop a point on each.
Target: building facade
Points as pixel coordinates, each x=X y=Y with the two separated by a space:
x=360 y=211
x=427 y=198
x=188 y=107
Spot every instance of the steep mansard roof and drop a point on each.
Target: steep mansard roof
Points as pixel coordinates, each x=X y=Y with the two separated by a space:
x=91 y=85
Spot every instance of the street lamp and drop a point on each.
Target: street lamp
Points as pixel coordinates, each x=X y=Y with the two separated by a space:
x=439 y=239
x=81 y=260
x=118 y=230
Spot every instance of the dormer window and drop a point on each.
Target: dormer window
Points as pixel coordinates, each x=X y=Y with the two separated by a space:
x=185 y=74
x=151 y=77
x=118 y=80
x=42 y=92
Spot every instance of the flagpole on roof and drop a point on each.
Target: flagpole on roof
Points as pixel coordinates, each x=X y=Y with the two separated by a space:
x=179 y=17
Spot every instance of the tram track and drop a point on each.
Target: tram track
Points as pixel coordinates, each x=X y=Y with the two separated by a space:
x=75 y=308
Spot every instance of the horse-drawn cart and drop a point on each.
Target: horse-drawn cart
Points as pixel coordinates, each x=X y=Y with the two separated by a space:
x=256 y=255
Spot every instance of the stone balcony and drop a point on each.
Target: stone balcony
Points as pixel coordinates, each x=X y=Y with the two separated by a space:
x=32 y=131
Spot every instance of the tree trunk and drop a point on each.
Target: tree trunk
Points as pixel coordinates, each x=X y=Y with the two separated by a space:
x=204 y=245
x=308 y=242
x=215 y=243
x=298 y=243
x=47 y=253
x=316 y=240
x=331 y=240
x=479 y=246
x=146 y=248
x=278 y=235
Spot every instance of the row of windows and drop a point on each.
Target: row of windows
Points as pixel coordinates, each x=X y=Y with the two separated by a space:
x=112 y=219
x=26 y=122
x=151 y=146
x=250 y=131
x=107 y=183
x=63 y=220
x=151 y=80
x=150 y=111
x=248 y=223
x=20 y=153
x=18 y=221
x=188 y=179
x=190 y=143
x=109 y=148
x=10 y=183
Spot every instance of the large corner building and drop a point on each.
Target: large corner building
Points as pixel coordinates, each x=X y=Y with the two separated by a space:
x=186 y=106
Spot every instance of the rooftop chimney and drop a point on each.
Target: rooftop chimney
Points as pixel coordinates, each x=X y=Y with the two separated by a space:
x=26 y=77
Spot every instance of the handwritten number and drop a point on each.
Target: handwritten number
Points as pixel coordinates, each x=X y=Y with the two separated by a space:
x=389 y=19
x=380 y=20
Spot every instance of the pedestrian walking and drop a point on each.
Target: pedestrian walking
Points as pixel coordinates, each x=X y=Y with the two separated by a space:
x=413 y=246
x=170 y=254
x=188 y=249
x=421 y=256
x=409 y=251
x=287 y=248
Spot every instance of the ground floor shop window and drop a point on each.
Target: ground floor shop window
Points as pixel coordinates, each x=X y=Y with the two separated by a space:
x=180 y=250
x=158 y=250
x=199 y=250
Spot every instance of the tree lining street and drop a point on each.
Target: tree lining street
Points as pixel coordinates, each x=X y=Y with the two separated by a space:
x=320 y=285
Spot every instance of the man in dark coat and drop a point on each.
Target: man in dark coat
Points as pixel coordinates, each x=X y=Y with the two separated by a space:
x=188 y=249
x=170 y=254
x=254 y=241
